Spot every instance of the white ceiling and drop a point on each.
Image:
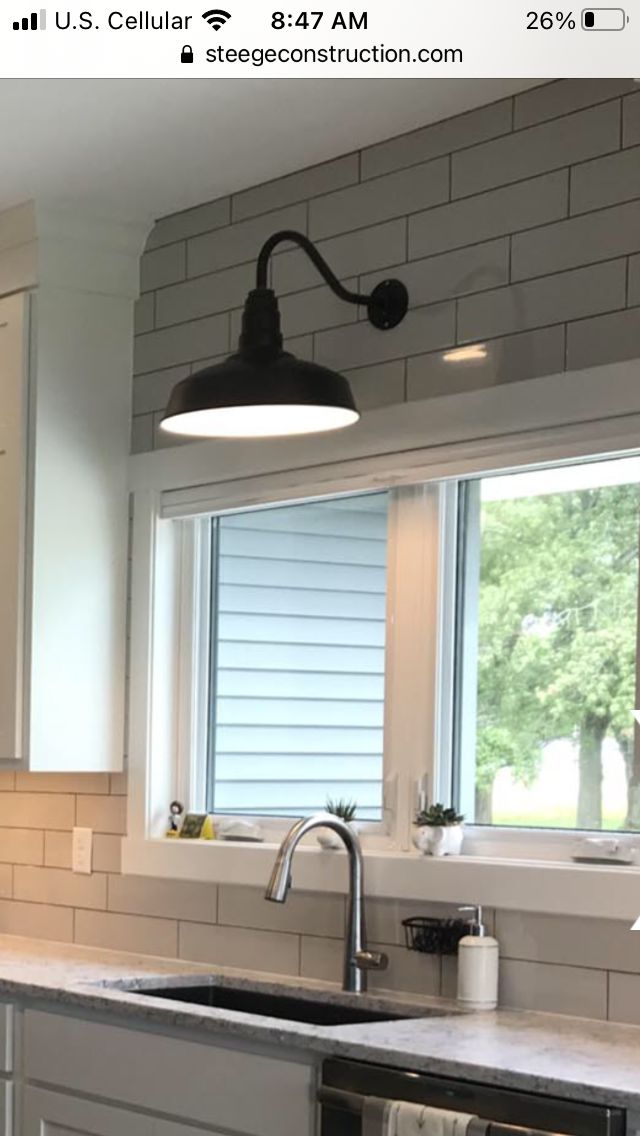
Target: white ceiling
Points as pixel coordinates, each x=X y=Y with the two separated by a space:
x=145 y=148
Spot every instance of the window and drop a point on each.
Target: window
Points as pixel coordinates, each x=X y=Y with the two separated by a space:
x=547 y=658
x=297 y=663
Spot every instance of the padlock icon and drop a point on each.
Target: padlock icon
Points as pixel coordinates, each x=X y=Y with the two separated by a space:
x=186 y=55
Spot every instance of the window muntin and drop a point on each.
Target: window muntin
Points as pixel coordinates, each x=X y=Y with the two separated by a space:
x=546 y=659
x=298 y=657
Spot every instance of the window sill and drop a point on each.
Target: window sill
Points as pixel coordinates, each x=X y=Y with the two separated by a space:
x=550 y=886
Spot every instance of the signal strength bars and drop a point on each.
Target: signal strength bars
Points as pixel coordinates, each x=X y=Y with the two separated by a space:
x=36 y=21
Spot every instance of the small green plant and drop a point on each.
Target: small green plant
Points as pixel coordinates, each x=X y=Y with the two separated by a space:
x=346 y=810
x=437 y=816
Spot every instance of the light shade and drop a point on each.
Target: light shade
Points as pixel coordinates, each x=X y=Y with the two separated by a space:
x=263 y=391
x=260 y=395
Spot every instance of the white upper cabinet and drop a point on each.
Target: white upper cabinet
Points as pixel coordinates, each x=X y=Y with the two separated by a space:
x=13 y=469
x=65 y=376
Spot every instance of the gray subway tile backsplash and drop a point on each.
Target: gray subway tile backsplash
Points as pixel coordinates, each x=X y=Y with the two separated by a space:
x=507 y=209
x=549 y=146
x=602 y=235
x=552 y=100
x=631 y=120
x=394 y=195
x=296 y=187
x=440 y=138
x=546 y=300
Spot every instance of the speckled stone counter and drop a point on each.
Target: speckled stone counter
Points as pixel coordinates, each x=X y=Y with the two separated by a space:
x=569 y=1057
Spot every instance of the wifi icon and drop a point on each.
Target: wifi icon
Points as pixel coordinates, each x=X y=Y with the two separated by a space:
x=216 y=18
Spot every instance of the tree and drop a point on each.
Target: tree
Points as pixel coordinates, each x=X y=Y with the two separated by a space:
x=557 y=634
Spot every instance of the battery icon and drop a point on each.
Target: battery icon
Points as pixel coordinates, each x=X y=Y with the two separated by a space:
x=604 y=19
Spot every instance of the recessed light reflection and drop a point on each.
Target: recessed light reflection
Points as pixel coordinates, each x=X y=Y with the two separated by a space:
x=468 y=354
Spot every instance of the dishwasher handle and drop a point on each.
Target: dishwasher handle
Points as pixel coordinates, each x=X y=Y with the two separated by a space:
x=479 y=1126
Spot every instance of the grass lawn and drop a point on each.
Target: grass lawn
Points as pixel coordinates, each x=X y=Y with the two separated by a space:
x=559 y=818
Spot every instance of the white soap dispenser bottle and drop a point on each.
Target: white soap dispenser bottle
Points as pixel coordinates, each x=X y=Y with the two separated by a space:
x=478 y=966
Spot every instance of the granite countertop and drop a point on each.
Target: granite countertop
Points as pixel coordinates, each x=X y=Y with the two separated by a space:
x=576 y=1058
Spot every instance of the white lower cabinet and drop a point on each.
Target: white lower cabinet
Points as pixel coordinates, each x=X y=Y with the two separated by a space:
x=90 y=1078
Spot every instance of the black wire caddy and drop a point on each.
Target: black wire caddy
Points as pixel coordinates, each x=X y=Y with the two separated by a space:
x=431 y=936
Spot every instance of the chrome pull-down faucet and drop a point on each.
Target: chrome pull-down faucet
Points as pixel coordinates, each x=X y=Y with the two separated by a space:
x=358 y=959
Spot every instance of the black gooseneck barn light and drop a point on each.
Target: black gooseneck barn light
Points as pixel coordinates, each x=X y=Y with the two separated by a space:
x=263 y=391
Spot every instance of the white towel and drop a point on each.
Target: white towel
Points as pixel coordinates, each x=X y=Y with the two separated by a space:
x=405 y=1119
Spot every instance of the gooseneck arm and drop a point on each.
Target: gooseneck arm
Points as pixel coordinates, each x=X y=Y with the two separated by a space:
x=386 y=305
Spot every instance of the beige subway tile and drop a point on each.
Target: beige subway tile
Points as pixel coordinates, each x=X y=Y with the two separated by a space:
x=57 y=850
x=103 y=814
x=556 y=989
x=136 y=933
x=62 y=782
x=55 y=885
x=605 y=944
x=174 y=899
x=37 y=810
x=37 y=920
x=303 y=912
x=21 y=846
x=321 y=958
x=324 y=959
x=624 y=998
x=6 y=880
x=106 y=852
x=407 y=970
x=118 y=784
x=230 y=946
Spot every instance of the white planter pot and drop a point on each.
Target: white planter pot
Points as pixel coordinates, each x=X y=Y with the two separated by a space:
x=443 y=840
x=330 y=841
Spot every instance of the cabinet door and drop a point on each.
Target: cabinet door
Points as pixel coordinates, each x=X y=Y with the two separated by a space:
x=13 y=466
x=47 y=1113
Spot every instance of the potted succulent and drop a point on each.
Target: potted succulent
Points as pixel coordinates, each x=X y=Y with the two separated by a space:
x=346 y=810
x=440 y=831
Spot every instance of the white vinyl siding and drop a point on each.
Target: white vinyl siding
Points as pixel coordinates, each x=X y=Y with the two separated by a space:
x=297 y=701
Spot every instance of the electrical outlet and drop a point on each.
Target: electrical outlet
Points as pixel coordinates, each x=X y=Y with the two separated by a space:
x=82 y=846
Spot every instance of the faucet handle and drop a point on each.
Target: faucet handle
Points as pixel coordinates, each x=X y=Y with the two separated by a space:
x=371 y=960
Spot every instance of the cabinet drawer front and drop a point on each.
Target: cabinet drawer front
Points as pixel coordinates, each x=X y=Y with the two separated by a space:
x=53 y=1114
x=228 y=1087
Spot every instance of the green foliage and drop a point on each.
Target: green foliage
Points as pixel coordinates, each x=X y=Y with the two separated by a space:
x=557 y=632
x=346 y=810
x=437 y=816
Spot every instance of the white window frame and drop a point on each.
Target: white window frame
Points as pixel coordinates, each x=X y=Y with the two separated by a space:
x=599 y=412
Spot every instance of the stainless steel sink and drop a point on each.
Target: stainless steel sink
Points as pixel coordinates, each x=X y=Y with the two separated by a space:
x=311 y=1008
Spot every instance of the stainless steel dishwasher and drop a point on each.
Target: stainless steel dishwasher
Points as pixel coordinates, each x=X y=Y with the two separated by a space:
x=500 y=1112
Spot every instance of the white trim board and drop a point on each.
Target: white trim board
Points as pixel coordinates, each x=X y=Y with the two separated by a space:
x=516 y=885
x=408 y=432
